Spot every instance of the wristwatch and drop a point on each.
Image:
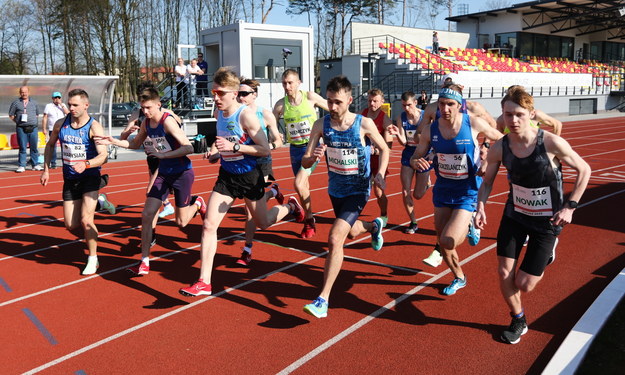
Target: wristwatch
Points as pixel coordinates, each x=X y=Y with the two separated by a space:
x=486 y=144
x=87 y=164
x=236 y=147
x=572 y=204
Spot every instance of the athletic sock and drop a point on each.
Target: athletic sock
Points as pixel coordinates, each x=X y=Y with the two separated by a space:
x=95 y=257
x=519 y=315
x=146 y=260
x=167 y=203
x=274 y=192
x=248 y=248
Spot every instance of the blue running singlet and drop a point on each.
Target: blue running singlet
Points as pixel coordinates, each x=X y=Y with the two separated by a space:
x=77 y=146
x=348 y=160
x=230 y=128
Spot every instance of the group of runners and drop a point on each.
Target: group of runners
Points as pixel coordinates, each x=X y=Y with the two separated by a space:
x=455 y=137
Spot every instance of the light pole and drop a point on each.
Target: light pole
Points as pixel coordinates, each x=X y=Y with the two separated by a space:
x=372 y=56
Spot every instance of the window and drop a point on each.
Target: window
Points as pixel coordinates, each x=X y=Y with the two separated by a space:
x=268 y=58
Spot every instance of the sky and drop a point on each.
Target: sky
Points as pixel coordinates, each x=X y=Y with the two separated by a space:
x=278 y=15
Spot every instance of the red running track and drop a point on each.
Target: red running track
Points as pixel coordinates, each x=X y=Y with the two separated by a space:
x=387 y=313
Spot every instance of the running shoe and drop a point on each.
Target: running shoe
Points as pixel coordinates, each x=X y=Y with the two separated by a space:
x=318 y=308
x=37 y=168
x=309 y=228
x=412 y=228
x=140 y=269
x=200 y=288
x=245 y=259
x=106 y=204
x=455 y=285
x=279 y=196
x=20 y=170
x=517 y=328
x=527 y=239
x=298 y=211
x=474 y=234
x=384 y=221
x=91 y=267
x=167 y=210
x=202 y=208
x=376 y=234
x=435 y=259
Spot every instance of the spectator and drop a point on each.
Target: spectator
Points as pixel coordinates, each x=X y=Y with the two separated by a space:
x=435 y=42
x=423 y=100
x=51 y=113
x=193 y=72
x=23 y=111
x=180 y=70
x=202 y=79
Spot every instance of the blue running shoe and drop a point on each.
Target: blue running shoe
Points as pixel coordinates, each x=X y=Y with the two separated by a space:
x=454 y=286
x=376 y=234
x=318 y=308
x=473 y=235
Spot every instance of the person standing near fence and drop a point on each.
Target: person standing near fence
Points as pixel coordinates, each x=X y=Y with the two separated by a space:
x=51 y=113
x=23 y=111
x=180 y=71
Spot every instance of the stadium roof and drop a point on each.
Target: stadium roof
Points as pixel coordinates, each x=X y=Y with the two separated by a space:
x=584 y=16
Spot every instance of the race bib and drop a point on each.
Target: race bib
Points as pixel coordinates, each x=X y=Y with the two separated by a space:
x=410 y=141
x=298 y=131
x=73 y=153
x=532 y=201
x=24 y=117
x=343 y=160
x=156 y=144
x=453 y=166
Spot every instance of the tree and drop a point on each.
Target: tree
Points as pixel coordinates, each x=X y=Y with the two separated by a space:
x=497 y=4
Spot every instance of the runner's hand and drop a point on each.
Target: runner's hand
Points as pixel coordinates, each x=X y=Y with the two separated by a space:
x=392 y=129
x=380 y=181
x=420 y=164
x=223 y=144
x=563 y=217
x=45 y=177
x=480 y=219
x=103 y=140
x=319 y=151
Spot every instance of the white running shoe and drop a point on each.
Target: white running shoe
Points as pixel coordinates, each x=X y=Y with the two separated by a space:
x=92 y=266
x=167 y=210
x=20 y=170
x=434 y=260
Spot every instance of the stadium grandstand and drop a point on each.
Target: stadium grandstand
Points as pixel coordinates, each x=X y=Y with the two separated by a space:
x=570 y=55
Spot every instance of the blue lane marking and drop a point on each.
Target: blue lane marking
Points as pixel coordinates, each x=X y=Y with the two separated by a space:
x=80 y=372
x=5 y=285
x=40 y=326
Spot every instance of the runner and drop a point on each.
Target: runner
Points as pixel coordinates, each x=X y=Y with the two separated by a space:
x=535 y=205
x=82 y=161
x=240 y=141
x=298 y=109
x=163 y=139
x=406 y=131
x=375 y=99
x=248 y=92
x=540 y=120
x=346 y=144
x=475 y=110
x=454 y=139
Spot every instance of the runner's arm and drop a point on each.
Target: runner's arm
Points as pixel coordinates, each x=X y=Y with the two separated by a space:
x=318 y=100
x=47 y=153
x=565 y=153
x=369 y=129
x=417 y=160
x=494 y=161
x=398 y=130
x=545 y=119
x=272 y=128
x=314 y=150
x=173 y=129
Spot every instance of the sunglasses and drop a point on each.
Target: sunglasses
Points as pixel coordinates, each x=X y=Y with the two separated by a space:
x=245 y=93
x=56 y=97
x=221 y=93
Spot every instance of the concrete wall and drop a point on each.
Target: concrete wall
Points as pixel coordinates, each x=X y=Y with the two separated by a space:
x=419 y=37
